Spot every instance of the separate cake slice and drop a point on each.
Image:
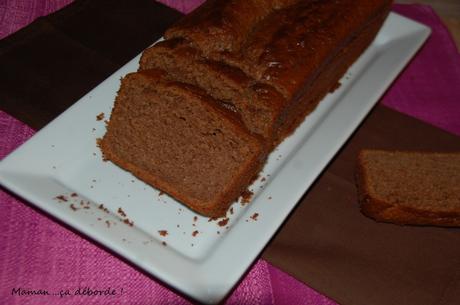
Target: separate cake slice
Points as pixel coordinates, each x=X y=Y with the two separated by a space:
x=178 y=139
x=420 y=188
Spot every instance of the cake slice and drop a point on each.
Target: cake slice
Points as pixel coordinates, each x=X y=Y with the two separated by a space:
x=181 y=141
x=259 y=105
x=421 y=188
x=186 y=64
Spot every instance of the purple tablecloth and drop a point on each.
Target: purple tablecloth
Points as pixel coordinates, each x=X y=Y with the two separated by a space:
x=39 y=253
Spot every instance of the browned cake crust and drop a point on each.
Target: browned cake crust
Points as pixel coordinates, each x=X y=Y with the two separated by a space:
x=222 y=25
x=418 y=188
x=290 y=47
x=327 y=80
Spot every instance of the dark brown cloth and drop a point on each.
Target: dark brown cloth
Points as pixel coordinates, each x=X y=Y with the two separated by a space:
x=50 y=64
x=326 y=242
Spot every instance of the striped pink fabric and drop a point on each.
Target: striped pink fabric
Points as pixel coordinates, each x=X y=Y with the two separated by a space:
x=36 y=252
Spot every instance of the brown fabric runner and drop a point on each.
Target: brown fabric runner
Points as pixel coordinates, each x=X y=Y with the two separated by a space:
x=326 y=242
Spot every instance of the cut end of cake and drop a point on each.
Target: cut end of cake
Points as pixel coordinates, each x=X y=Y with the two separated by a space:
x=177 y=139
x=421 y=188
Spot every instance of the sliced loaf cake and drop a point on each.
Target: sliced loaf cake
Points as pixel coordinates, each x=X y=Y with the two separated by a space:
x=231 y=81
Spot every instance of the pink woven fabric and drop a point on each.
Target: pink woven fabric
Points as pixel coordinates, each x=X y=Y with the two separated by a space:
x=15 y=14
x=184 y=6
x=37 y=252
x=428 y=89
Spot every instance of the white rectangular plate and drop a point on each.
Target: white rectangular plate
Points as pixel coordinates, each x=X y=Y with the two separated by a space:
x=63 y=159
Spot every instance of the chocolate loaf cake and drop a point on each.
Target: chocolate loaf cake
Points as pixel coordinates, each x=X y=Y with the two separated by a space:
x=260 y=65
